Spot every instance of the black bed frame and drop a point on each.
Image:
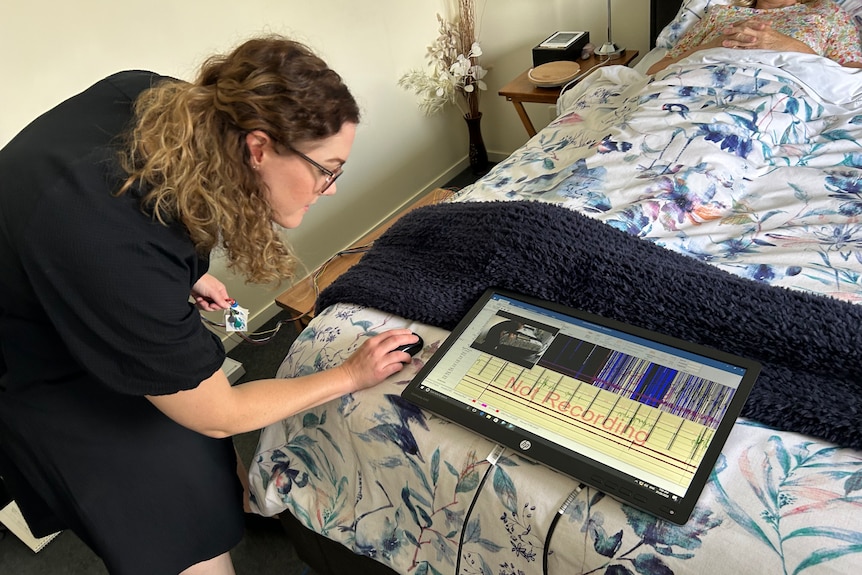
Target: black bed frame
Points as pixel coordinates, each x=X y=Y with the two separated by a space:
x=661 y=13
x=327 y=557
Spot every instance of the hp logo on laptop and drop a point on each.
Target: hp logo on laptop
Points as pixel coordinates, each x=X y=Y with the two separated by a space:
x=525 y=445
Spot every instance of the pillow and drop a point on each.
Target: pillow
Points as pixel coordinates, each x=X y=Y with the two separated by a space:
x=689 y=13
x=693 y=10
x=854 y=8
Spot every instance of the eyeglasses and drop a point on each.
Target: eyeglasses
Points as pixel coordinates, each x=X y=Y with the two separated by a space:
x=329 y=175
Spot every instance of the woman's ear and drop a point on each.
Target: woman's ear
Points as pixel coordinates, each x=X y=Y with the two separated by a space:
x=257 y=141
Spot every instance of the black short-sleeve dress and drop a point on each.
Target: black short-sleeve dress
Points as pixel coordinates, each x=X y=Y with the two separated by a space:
x=94 y=315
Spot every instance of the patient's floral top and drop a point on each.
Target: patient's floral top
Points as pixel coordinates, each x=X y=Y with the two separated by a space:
x=822 y=25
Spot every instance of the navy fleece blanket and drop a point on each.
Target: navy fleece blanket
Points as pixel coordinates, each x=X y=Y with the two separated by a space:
x=435 y=262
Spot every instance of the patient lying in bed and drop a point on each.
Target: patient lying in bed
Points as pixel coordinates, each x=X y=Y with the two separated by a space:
x=812 y=27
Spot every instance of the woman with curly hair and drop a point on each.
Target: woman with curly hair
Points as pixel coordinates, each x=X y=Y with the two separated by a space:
x=115 y=417
x=807 y=26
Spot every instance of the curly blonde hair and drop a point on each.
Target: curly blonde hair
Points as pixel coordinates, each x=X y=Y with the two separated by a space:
x=187 y=149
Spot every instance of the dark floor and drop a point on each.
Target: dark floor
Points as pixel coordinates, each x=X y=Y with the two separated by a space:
x=265 y=547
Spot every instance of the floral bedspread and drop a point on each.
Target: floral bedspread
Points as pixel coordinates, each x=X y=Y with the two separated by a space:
x=752 y=168
x=741 y=165
x=394 y=483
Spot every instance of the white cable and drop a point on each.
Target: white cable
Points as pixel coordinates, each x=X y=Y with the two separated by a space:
x=495 y=454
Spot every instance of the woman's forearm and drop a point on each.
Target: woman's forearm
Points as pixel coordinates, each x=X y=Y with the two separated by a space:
x=217 y=409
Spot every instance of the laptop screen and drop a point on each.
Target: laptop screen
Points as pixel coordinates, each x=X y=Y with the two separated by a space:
x=637 y=414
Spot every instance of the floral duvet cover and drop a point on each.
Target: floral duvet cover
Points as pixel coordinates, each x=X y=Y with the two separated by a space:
x=751 y=167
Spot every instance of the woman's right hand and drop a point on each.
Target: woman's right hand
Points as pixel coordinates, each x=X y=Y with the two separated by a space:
x=376 y=359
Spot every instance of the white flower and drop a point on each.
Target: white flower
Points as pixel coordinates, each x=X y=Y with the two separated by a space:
x=451 y=77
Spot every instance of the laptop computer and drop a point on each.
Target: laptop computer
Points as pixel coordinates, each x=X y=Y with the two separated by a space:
x=636 y=414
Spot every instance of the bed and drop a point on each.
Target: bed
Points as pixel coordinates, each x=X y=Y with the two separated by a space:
x=743 y=171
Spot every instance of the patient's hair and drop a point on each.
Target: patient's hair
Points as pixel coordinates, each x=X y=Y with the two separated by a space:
x=188 y=153
x=751 y=3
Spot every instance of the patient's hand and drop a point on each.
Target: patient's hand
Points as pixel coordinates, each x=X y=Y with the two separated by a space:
x=375 y=360
x=747 y=35
x=759 y=35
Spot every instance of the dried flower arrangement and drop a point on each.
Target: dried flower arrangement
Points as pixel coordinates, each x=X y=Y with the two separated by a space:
x=453 y=74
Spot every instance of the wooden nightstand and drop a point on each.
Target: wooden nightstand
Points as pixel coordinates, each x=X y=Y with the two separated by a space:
x=521 y=90
x=299 y=299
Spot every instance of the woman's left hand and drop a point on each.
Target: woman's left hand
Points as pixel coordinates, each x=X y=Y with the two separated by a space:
x=210 y=294
x=759 y=35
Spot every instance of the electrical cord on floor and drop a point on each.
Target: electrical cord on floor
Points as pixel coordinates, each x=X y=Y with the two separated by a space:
x=268 y=335
x=562 y=510
x=492 y=458
x=319 y=271
x=253 y=337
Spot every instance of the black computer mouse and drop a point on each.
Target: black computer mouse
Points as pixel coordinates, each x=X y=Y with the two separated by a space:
x=412 y=348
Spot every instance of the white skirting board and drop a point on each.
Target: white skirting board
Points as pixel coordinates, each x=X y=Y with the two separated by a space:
x=233 y=369
x=11 y=517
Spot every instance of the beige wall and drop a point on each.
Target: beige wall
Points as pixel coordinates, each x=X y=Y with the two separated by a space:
x=52 y=49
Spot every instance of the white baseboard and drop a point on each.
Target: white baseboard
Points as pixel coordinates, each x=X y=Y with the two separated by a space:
x=233 y=369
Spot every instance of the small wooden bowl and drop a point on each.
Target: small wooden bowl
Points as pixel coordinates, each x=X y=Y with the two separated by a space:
x=553 y=74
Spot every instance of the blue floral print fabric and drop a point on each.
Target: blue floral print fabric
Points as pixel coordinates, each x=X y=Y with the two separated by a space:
x=393 y=483
x=741 y=166
x=730 y=162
